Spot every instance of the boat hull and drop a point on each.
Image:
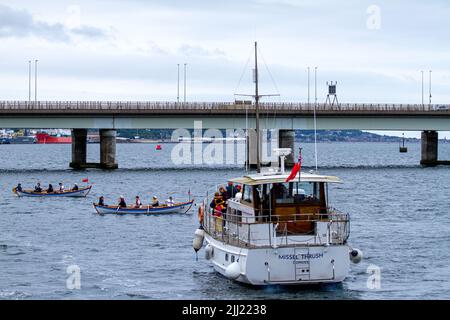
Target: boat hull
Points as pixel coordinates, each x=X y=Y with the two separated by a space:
x=45 y=138
x=177 y=208
x=291 y=265
x=80 y=193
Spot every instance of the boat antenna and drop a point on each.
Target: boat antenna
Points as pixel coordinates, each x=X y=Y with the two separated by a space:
x=315 y=118
x=258 y=163
x=257 y=96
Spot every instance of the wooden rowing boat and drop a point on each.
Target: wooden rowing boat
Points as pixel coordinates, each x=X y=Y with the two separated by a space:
x=81 y=192
x=181 y=207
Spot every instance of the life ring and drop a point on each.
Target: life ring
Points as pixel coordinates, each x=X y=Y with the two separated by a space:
x=200 y=214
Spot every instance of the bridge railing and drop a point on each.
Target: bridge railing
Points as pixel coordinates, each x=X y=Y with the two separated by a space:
x=211 y=106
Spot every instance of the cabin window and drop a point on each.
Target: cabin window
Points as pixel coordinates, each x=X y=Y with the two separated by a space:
x=295 y=192
x=232 y=259
x=248 y=194
x=226 y=256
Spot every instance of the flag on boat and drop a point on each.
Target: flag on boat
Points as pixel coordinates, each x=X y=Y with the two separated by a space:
x=297 y=167
x=85 y=180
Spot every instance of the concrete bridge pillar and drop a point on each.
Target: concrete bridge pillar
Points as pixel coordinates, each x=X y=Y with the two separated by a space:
x=108 y=149
x=286 y=139
x=429 y=148
x=79 y=141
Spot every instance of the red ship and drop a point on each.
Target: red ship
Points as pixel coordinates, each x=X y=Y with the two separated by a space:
x=45 y=138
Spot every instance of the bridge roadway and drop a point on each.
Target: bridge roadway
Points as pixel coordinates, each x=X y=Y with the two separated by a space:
x=223 y=115
x=108 y=116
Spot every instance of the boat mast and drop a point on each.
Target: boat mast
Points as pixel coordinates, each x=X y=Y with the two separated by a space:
x=258 y=163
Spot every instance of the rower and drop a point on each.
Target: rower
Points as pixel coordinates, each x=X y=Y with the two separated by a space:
x=50 y=188
x=19 y=187
x=155 y=202
x=61 y=187
x=38 y=188
x=75 y=187
x=101 y=201
x=122 y=203
x=138 y=203
x=170 y=202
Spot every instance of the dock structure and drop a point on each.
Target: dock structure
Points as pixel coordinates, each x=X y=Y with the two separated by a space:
x=108 y=116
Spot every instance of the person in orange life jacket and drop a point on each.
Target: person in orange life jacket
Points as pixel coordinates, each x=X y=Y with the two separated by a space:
x=217 y=198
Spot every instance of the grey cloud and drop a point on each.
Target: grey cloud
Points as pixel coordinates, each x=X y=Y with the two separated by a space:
x=20 y=23
x=89 y=32
x=199 y=51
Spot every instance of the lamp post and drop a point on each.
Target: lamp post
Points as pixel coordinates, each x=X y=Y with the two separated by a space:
x=185 y=82
x=178 y=84
x=35 y=81
x=422 y=89
x=315 y=86
x=430 y=90
x=308 y=89
x=29 y=82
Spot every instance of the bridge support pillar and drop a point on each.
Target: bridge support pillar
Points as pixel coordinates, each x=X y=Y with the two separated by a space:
x=286 y=139
x=429 y=148
x=108 y=149
x=79 y=141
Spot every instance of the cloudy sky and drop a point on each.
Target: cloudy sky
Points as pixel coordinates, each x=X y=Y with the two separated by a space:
x=129 y=50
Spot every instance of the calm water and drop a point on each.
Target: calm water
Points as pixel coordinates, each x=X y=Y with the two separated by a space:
x=400 y=219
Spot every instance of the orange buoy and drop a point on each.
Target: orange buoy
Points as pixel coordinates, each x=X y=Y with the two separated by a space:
x=158 y=147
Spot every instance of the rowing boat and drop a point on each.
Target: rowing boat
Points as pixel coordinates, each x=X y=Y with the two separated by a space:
x=181 y=207
x=82 y=192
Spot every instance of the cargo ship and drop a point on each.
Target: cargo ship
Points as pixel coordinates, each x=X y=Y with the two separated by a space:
x=45 y=138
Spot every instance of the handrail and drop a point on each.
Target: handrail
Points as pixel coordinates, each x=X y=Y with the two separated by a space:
x=249 y=231
x=215 y=106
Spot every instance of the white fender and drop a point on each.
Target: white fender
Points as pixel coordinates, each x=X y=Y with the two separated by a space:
x=233 y=271
x=197 y=242
x=208 y=251
x=356 y=255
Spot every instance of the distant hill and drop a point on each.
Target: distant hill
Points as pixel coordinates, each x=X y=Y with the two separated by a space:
x=345 y=136
x=300 y=135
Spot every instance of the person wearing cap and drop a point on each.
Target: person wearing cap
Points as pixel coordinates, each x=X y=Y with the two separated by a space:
x=122 y=203
x=61 y=187
x=155 y=202
x=19 y=187
x=238 y=195
x=231 y=190
x=137 y=203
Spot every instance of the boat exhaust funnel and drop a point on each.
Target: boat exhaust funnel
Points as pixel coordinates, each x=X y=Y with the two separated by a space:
x=282 y=153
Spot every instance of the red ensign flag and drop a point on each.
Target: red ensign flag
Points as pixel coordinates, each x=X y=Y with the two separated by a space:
x=85 y=180
x=297 y=167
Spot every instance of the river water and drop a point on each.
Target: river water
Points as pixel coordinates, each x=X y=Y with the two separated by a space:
x=400 y=220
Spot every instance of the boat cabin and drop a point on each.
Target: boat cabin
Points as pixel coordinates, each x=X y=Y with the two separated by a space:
x=295 y=205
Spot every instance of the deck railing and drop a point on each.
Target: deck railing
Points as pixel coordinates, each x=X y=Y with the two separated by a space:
x=270 y=230
x=213 y=106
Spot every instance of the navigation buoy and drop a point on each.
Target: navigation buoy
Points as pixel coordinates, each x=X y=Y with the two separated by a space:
x=158 y=147
x=233 y=271
x=356 y=255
